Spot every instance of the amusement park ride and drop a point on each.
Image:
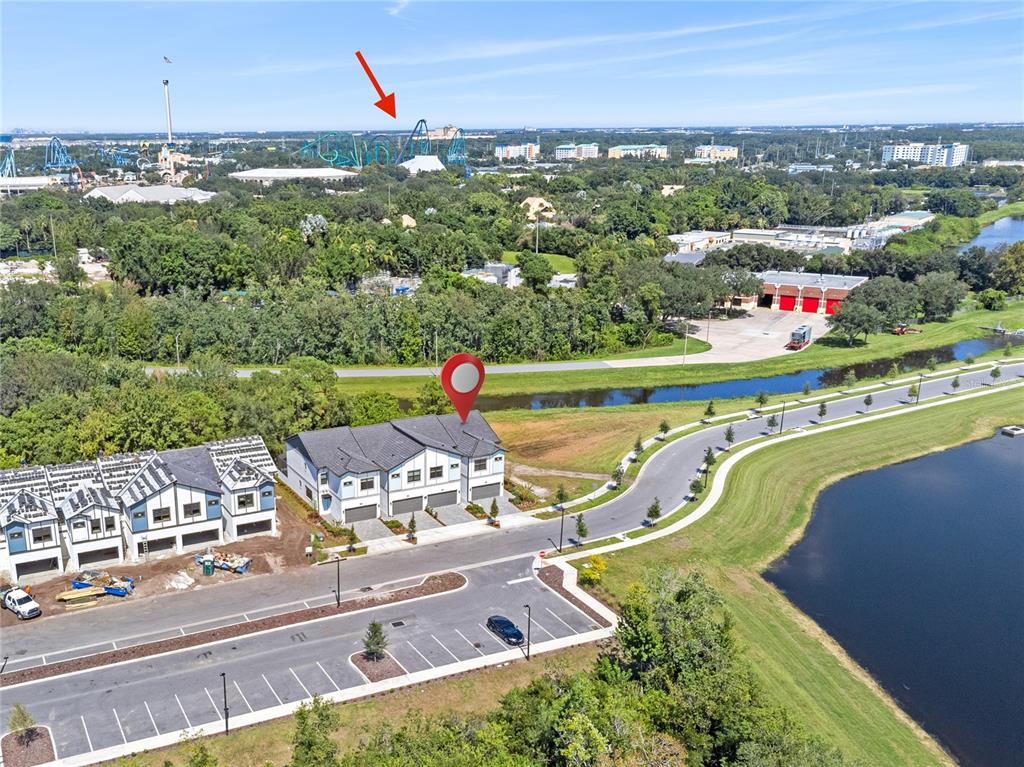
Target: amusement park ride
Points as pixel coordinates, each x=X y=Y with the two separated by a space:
x=344 y=150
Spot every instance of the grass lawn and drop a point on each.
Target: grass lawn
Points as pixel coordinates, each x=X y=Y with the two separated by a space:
x=1010 y=209
x=827 y=352
x=474 y=693
x=561 y=264
x=763 y=511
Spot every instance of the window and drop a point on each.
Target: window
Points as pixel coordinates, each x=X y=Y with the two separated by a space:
x=436 y=471
x=162 y=515
x=413 y=476
x=95 y=526
x=216 y=502
x=309 y=494
x=323 y=478
x=498 y=459
x=367 y=484
x=191 y=509
x=396 y=475
x=480 y=464
x=454 y=466
x=347 y=483
x=267 y=493
x=246 y=501
x=79 y=525
x=42 y=535
x=110 y=524
x=139 y=515
x=16 y=536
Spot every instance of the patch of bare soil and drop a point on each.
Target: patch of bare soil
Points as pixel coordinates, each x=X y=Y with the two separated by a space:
x=524 y=470
x=37 y=748
x=552 y=576
x=433 y=584
x=378 y=669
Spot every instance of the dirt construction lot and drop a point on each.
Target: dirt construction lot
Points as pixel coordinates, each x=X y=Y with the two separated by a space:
x=179 y=572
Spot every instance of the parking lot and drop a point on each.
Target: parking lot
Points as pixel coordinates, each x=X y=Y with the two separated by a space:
x=116 y=705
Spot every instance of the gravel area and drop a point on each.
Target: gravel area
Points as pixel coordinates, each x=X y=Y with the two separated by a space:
x=434 y=584
x=385 y=667
x=38 y=750
x=552 y=576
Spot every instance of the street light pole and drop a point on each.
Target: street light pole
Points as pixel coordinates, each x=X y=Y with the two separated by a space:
x=337 y=590
x=920 y=382
x=684 y=339
x=782 y=418
x=224 y=679
x=529 y=624
x=561 y=527
x=4 y=665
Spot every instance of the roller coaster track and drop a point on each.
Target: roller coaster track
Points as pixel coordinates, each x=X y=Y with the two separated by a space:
x=7 y=167
x=418 y=142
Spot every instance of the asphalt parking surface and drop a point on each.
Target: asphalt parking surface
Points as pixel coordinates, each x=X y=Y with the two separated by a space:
x=115 y=705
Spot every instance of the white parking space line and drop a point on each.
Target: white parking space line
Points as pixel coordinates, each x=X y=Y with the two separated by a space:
x=219 y=714
x=183 y=711
x=519 y=580
x=151 y=719
x=308 y=693
x=329 y=678
x=420 y=654
x=240 y=695
x=87 y=738
x=537 y=624
x=272 y=689
x=118 y=720
x=555 y=616
x=468 y=642
x=443 y=647
x=488 y=633
x=114 y=644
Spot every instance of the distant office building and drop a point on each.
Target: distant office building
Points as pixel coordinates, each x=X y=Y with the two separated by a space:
x=653 y=151
x=576 y=151
x=806 y=167
x=716 y=152
x=528 y=151
x=940 y=155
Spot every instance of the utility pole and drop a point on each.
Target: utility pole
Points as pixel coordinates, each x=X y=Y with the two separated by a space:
x=561 y=528
x=53 y=237
x=920 y=383
x=337 y=574
x=708 y=338
x=529 y=624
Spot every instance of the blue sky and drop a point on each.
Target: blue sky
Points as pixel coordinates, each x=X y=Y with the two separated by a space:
x=291 y=65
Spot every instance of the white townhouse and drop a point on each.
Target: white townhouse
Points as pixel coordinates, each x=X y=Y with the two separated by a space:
x=352 y=474
x=134 y=504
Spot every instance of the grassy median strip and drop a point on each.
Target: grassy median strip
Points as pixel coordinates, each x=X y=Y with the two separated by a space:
x=765 y=507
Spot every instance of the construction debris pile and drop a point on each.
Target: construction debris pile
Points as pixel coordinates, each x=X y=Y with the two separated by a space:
x=223 y=560
x=89 y=585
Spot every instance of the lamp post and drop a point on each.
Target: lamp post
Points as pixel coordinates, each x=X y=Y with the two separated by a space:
x=224 y=679
x=684 y=340
x=529 y=623
x=337 y=572
x=782 y=417
x=920 y=382
x=561 y=526
x=4 y=664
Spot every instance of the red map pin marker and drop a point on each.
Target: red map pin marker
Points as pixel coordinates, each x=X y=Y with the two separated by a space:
x=461 y=378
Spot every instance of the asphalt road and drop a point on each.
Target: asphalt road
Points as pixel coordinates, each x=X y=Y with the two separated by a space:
x=115 y=705
x=666 y=475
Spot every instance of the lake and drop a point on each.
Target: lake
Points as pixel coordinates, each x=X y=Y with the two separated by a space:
x=917 y=570
x=1005 y=231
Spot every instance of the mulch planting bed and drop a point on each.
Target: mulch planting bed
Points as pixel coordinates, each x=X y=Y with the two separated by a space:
x=434 y=584
x=378 y=670
x=551 y=576
x=38 y=750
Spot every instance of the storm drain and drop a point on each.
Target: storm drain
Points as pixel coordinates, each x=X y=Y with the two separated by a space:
x=397 y=624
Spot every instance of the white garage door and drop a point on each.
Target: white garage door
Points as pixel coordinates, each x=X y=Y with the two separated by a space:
x=486 y=491
x=443 y=499
x=408 y=505
x=359 y=513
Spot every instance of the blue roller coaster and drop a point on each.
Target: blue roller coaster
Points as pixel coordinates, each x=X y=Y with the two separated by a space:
x=344 y=150
x=456 y=154
x=335 y=148
x=119 y=155
x=57 y=157
x=418 y=143
x=7 y=167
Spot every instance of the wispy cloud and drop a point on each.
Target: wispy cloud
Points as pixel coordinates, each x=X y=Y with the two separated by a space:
x=937 y=23
x=397 y=8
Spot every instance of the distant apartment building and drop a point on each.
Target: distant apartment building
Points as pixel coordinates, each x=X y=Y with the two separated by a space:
x=651 y=151
x=528 y=151
x=806 y=167
x=716 y=152
x=939 y=155
x=576 y=151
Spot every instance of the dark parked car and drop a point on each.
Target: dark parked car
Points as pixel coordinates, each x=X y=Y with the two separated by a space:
x=505 y=629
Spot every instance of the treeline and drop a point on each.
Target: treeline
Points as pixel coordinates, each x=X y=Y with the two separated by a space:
x=674 y=688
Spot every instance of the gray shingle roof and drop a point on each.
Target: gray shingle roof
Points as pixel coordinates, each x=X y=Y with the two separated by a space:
x=86 y=497
x=28 y=506
x=382 y=446
x=242 y=474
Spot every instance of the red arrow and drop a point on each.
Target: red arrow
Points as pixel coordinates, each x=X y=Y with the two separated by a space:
x=386 y=103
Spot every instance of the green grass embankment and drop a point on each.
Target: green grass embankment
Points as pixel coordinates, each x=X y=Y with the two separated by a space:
x=764 y=510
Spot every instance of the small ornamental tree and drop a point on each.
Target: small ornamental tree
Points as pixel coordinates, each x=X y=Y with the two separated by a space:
x=932 y=363
x=868 y=402
x=638 y=447
x=849 y=379
x=807 y=388
x=581 y=529
x=773 y=423
x=995 y=373
x=561 y=495
x=955 y=383
x=375 y=641
x=695 y=487
x=709 y=411
x=21 y=723
x=654 y=511
x=730 y=435
x=822 y=411
x=494 y=509
x=618 y=475
x=411 y=527
x=351 y=537
x=912 y=392
x=663 y=427
x=709 y=458
x=762 y=398
x=894 y=370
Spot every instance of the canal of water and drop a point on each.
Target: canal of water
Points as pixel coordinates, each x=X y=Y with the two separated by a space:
x=917 y=570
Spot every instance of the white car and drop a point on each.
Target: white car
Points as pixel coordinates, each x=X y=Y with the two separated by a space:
x=21 y=604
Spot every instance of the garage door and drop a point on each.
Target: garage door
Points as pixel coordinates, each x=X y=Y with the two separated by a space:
x=443 y=499
x=409 y=504
x=787 y=303
x=195 y=539
x=486 y=491
x=359 y=513
x=832 y=305
x=810 y=305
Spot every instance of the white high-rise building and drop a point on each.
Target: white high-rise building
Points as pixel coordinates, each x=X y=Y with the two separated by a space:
x=941 y=155
x=528 y=151
x=576 y=151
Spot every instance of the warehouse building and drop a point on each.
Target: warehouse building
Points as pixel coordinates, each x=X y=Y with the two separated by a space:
x=367 y=472
x=806 y=292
